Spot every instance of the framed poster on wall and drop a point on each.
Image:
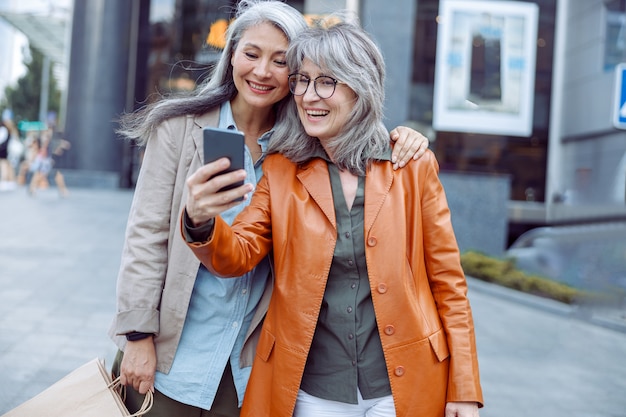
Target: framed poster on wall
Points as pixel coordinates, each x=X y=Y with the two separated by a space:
x=485 y=67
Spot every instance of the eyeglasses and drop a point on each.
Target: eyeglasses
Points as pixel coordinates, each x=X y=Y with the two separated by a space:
x=324 y=85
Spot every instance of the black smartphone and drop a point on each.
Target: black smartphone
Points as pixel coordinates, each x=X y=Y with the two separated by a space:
x=219 y=143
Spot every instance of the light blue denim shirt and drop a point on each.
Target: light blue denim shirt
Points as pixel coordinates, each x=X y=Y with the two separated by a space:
x=218 y=318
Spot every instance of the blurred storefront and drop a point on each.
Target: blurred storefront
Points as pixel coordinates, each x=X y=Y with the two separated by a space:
x=535 y=108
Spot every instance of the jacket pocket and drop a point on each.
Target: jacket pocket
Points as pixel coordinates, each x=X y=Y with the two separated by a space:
x=266 y=345
x=439 y=344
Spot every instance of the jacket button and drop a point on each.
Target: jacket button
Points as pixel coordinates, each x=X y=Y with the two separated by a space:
x=382 y=288
x=371 y=241
x=399 y=371
x=389 y=330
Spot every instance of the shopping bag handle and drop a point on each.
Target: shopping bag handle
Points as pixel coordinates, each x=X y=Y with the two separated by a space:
x=121 y=389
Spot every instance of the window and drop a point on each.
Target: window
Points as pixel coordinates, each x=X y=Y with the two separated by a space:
x=524 y=158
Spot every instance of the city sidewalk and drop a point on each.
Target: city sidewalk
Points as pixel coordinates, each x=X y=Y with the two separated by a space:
x=58 y=265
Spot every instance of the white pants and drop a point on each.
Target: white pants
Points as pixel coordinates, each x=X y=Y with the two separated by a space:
x=310 y=406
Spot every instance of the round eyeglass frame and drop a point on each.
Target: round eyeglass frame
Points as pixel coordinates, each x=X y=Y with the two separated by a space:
x=293 y=82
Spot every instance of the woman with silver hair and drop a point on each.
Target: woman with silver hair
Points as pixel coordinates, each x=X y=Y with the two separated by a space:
x=184 y=333
x=369 y=314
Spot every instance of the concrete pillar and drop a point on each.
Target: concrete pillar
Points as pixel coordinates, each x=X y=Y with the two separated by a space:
x=323 y=6
x=97 y=83
x=391 y=24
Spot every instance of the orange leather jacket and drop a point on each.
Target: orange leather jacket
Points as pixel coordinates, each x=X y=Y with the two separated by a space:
x=417 y=283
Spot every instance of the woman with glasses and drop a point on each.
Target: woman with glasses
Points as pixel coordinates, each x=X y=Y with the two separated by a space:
x=369 y=314
x=184 y=333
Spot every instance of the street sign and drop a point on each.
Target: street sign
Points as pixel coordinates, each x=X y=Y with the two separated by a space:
x=26 y=126
x=619 y=110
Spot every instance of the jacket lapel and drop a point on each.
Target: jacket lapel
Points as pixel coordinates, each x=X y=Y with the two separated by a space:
x=377 y=185
x=211 y=119
x=316 y=180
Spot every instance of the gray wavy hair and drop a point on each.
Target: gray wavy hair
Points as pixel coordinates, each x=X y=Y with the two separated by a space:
x=346 y=52
x=219 y=87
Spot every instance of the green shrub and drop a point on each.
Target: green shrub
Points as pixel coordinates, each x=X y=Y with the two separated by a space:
x=503 y=272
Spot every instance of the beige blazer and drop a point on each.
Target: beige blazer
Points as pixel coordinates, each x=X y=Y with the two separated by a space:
x=158 y=270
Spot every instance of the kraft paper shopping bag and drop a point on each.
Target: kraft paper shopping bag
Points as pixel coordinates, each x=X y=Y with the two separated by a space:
x=85 y=392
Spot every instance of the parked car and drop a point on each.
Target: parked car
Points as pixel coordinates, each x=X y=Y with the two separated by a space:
x=590 y=257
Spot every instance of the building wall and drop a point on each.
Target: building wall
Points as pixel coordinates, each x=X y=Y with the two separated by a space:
x=592 y=150
x=377 y=17
x=478 y=207
x=324 y=6
x=392 y=28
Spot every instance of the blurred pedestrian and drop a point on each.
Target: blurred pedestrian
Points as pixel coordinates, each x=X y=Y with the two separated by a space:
x=369 y=314
x=31 y=145
x=7 y=170
x=45 y=150
x=17 y=149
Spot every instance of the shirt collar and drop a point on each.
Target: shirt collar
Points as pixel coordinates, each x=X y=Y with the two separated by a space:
x=227 y=121
x=321 y=153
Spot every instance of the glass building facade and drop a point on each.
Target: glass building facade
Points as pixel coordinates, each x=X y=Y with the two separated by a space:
x=185 y=39
x=185 y=36
x=568 y=165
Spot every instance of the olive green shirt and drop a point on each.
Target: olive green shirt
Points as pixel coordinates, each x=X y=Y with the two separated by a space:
x=346 y=351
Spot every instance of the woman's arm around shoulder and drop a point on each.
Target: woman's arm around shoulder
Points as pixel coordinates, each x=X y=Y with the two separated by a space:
x=408 y=144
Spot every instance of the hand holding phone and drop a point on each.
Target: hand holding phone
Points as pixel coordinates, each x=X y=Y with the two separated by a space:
x=219 y=143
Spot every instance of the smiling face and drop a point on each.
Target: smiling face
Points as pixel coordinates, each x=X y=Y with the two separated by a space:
x=323 y=118
x=259 y=68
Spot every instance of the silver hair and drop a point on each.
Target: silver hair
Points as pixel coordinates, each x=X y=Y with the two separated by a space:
x=219 y=87
x=346 y=52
